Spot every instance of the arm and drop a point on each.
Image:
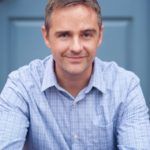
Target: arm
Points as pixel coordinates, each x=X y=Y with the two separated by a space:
x=133 y=129
x=13 y=116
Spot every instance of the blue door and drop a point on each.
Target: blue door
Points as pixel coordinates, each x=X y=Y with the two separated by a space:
x=125 y=36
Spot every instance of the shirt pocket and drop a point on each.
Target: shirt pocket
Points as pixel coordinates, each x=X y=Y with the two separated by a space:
x=102 y=134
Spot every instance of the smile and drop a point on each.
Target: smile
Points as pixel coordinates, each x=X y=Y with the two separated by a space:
x=76 y=59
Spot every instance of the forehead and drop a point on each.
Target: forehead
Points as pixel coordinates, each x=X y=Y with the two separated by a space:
x=74 y=15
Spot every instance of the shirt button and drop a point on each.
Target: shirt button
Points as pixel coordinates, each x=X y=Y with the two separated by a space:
x=75 y=136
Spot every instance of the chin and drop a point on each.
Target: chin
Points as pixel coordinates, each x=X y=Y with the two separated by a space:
x=75 y=71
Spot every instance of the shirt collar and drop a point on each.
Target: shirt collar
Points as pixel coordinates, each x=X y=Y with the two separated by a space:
x=96 y=80
x=49 y=79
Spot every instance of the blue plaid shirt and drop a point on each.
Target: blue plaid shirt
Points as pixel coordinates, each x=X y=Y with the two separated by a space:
x=110 y=113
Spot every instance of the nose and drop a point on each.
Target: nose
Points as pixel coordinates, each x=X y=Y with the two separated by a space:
x=76 y=45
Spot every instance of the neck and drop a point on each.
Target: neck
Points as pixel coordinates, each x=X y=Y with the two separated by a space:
x=73 y=83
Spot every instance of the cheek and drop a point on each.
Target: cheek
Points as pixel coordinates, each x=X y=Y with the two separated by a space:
x=58 y=51
x=91 y=46
x=59 y=46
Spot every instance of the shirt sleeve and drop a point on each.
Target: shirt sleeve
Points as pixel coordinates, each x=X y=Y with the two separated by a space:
x=133 y=129
x=14 y=120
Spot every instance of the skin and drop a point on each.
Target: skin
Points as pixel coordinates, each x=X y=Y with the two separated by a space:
x=73 y=38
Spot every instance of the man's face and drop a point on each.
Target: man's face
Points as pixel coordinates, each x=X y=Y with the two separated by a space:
x=73 y=38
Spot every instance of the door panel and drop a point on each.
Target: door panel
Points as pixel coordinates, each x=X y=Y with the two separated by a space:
x=115 y=41
x=26 y=32
x=125 y=36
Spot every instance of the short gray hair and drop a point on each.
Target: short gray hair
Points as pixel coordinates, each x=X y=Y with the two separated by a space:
x=54 y=4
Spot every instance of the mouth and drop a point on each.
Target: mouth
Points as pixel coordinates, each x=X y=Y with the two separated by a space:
x=75 y=59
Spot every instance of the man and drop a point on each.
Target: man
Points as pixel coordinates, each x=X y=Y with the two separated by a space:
x=71 y=99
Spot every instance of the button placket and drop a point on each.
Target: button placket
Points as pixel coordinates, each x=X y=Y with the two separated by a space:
x=74 y=122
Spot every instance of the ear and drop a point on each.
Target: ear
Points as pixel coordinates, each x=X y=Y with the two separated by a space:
x=45 y=36
x=101 y=28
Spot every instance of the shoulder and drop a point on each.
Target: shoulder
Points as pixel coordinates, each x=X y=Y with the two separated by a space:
x=115 y=76
x=31 y=74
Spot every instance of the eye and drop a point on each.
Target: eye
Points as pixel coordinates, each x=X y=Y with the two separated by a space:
x=64 y=35
x=87 y=35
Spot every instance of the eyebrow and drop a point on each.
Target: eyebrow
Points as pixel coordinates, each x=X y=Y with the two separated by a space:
x=60 y=32
x=89 y=30
x=69 y=32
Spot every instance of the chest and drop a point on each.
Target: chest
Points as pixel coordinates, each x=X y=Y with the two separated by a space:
x=86 y=124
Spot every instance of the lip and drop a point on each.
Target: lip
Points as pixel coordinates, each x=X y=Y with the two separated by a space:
x=76 y=59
